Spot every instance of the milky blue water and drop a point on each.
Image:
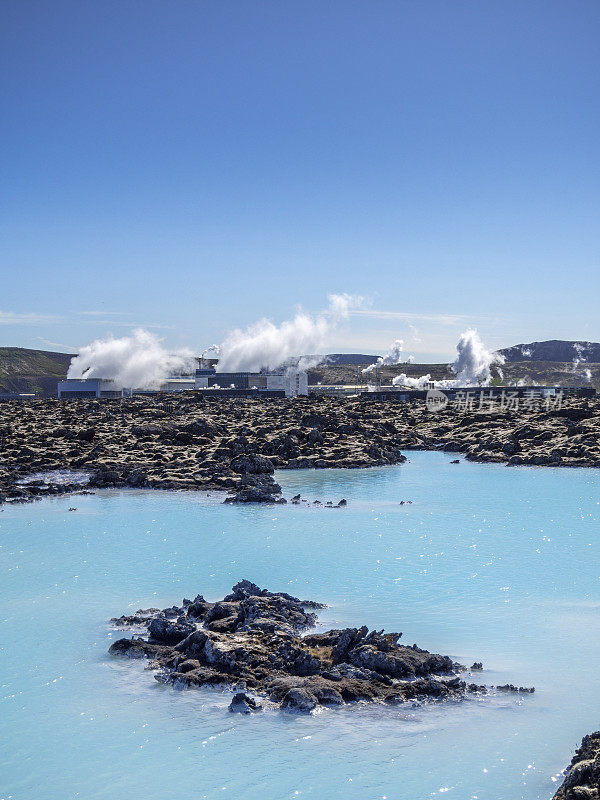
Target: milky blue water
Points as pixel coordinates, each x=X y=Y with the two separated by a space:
x=488 y=563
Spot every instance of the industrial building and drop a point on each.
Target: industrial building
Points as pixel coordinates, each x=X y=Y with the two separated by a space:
x=106 y=388
x=17 y=395
x=287 y=382
x=72 y=388
x=181 y=383
x=281 y=383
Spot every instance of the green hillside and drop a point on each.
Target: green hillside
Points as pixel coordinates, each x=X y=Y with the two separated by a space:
x=23 y=370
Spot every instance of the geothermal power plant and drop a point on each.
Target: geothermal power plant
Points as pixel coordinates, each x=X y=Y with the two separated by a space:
x=291 y=381
x=266 y=362
x=284 y=382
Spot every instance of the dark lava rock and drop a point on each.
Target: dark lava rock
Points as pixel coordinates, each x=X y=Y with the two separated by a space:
x=194 y=443
x=257 y=489
x=141 y=617
x=508 y=687
x=167 y=632
x=582 y=777
x=243 y=704
x=252 y=464
x=254 y=638
x=86 y=434
x=300 y=700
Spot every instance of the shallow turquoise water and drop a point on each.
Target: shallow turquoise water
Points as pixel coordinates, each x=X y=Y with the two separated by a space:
x=489 y=563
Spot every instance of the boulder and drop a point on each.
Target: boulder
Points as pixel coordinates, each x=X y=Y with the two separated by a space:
x=252 y=464
x=299 y=700
x=244 y=704
x=166 y=631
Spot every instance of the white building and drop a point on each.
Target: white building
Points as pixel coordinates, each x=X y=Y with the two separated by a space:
x=88 y=387
x=178 y=384
x=292 y=382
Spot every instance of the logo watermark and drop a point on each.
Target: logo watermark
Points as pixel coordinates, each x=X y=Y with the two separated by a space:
x=436 y=400
x=492 y=400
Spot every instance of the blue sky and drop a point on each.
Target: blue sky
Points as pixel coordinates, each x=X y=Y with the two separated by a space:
x=193 y=166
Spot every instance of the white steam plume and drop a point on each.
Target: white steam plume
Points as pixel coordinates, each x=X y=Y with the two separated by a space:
x=413 y=383
x=414 y=334
x=472 y=366
x=265 y=345
x=580 y=358
x=308 y=362
x=394 y=355
x=474 y=361
x=138 y=361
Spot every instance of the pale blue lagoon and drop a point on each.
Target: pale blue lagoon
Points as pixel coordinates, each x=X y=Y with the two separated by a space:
x=488 y=563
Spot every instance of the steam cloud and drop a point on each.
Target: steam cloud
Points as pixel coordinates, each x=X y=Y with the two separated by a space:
x=265 y=345
x=581 y=358
x=474 y=361
x=472 y=366
x=394 y=355
x=138 y=361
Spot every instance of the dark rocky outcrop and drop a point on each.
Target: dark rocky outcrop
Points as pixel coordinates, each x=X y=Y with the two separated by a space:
x=582 y=776
x=234 y=445
x=256 y=488
x=253 y=641
x=244 y=704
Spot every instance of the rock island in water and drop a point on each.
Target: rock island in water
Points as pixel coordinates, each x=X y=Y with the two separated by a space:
x=253 y=641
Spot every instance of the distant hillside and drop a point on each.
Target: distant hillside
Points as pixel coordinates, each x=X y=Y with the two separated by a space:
x=551 y=373
x=350 y=358
x=336 y=374
x=553 y=350
x=333 y=359
x=39 y=371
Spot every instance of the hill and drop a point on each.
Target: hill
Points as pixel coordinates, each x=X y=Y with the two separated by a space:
x=550 y=373
x=350 y=358
x=553 y=350
x=23 y=370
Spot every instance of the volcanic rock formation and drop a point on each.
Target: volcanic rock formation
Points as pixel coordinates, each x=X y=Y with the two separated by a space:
x=582 y=777
x=252 y=641
x=192 y=443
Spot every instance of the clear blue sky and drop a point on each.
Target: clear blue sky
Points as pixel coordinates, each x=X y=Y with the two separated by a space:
x=197 y=165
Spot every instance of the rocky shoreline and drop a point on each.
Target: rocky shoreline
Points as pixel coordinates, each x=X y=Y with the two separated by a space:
x=582 y=776
x=189 y=442
x=252 y=641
